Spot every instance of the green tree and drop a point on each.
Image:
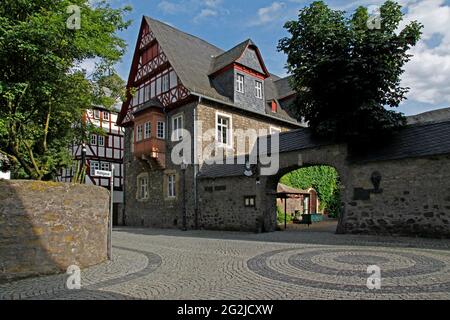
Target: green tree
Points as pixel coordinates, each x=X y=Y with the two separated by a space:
x=43 y=90
x=347 y=71
x=324 y=179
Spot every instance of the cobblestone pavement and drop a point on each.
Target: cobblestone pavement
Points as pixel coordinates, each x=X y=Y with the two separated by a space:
x=171 y=264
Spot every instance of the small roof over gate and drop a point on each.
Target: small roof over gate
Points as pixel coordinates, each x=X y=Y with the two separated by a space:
x=284 y=191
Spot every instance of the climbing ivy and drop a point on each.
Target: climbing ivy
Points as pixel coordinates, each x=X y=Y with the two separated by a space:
x=324 y=179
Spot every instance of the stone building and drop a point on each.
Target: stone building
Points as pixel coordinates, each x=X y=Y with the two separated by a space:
x=185 y=87
x=194 y=103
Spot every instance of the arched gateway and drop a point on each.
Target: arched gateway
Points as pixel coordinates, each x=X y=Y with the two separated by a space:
x=401 y=187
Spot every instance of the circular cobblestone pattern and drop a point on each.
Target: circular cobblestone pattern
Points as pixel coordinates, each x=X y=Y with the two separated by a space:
x=346 y=269
x=203 y=265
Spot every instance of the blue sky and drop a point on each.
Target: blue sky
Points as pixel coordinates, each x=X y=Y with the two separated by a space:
x=226 y=23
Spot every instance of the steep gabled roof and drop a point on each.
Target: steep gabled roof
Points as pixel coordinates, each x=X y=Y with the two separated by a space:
x=190 y=56
x=230 y=56
x=233 y=55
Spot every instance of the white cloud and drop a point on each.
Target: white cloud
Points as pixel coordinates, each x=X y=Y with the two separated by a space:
x=210 y=8
x=275 y=11
x=212 y=3
x=205 y=13
x=171 y=7
x=428 y=72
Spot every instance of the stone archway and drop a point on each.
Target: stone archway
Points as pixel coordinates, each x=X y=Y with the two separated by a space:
x=334 y=156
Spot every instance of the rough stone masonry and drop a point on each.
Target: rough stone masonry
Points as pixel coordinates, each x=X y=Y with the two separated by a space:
x=46 y=227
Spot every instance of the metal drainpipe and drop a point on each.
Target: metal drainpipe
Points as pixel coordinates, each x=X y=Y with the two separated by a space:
x=196 y=166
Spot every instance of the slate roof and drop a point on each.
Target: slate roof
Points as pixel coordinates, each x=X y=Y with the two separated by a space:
x=419 y=140
x=230 y=56
x=194 y=59
x=190 y=56
x=152 y=103
x=221 y=170
x=413 y=141
x=283 y=88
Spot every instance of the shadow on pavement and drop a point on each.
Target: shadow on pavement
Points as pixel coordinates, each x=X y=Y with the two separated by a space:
x=294 y=237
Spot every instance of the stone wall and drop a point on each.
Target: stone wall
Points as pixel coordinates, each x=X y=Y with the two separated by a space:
x=222 y=205
x=413 y=198
x=207 y=114
x=46 y=227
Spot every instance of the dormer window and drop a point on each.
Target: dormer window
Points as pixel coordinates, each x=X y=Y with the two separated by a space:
x=274 y=106
x=240 y=83
x=259 y=89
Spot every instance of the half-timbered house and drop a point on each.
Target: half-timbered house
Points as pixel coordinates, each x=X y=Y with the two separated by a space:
x=102 y=152
x=180 y=80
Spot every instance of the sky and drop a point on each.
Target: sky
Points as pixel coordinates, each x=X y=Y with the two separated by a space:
x=226 y=23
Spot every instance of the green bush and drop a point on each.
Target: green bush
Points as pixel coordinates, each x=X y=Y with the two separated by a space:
x=334 y=206
x=280 y=216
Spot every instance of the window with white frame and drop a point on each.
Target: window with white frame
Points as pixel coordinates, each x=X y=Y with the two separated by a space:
x=105 y=166
x=105 y=115
x=161 y=130
x=101 y=141
x=274 y=130
x=147 y=130
x=240 y=83
x=94 y=165
x=223 y=129
x=171 y=186
x=93 y=140
x=177 y=128
x=165 y=83
x=96 y=114
x=259 y=89
x=143 y=187
x=139 y=133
